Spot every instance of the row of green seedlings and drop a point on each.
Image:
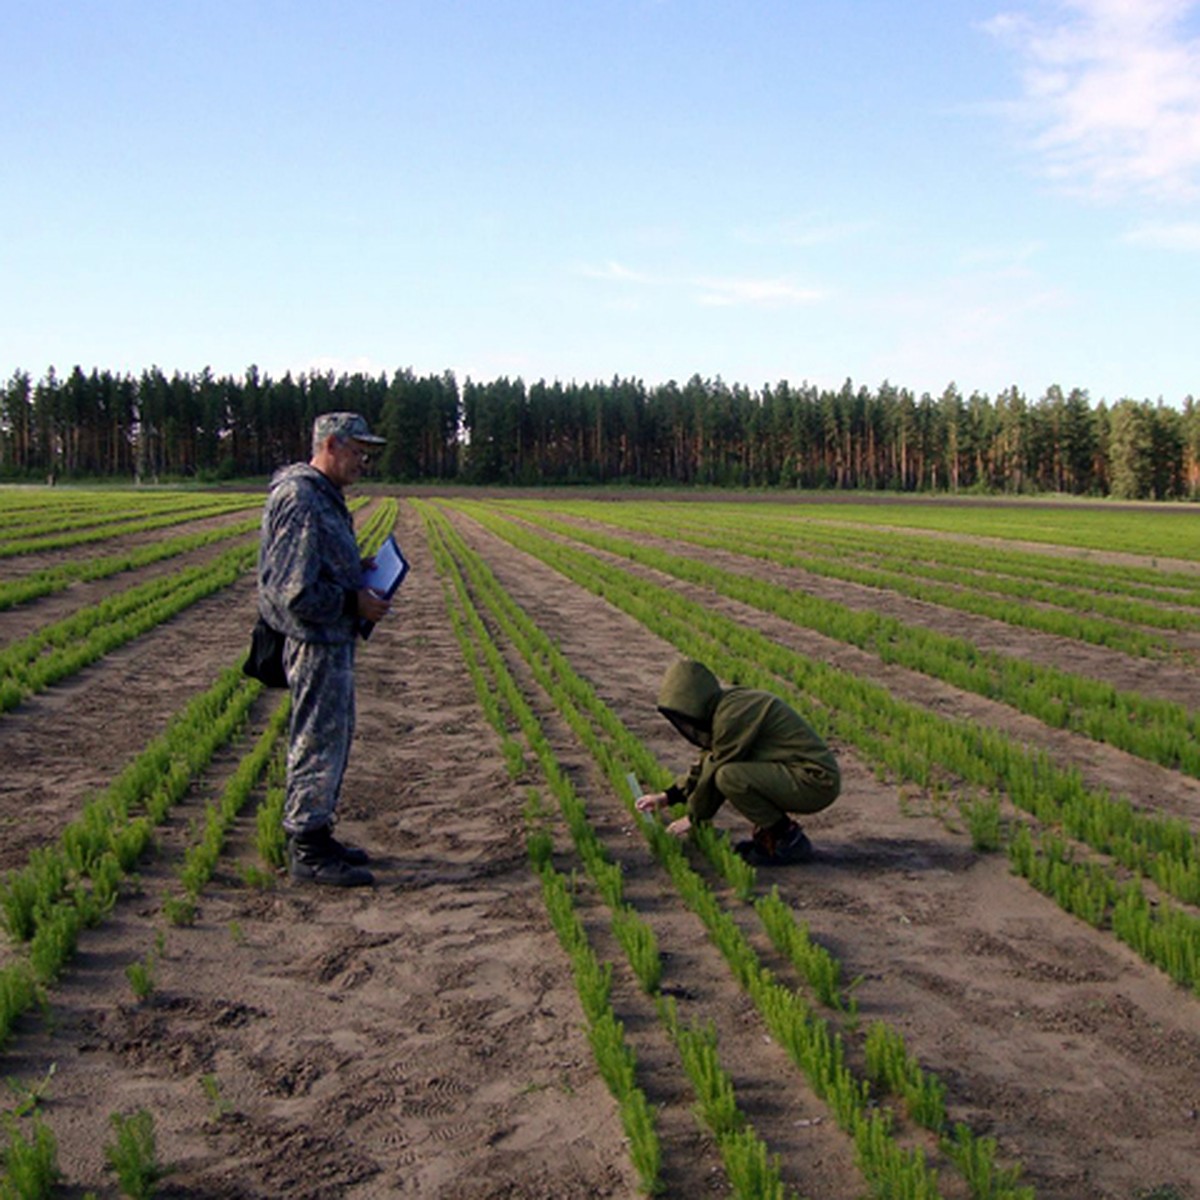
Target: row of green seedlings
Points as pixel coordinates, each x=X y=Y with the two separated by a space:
x=39 y=511
x=201 y=858
x=69 y=536
x=751 y=1174
x=1160 y=934
x=31 y=1170
x=1075 y=569
x=891 y=561
x=55 y=579
x=72 y=885
x=1151 y=531
x=614 y=1058
x=50 y=902
x=1114 y=635
x=913 y=745
x=612 y=745
x=266 y=759
x=59 y=650
x=29 y=1167
x=30 y=1163
x=64 y=647
x=1157 y=730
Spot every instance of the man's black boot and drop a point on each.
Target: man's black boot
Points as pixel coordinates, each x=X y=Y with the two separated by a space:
x=314 y=857
x=355 y=856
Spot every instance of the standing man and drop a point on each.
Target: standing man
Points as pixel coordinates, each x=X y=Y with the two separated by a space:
x=310 y=589
x=758 y=753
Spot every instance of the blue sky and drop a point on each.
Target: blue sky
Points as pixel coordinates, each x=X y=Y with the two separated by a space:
x=990 y=194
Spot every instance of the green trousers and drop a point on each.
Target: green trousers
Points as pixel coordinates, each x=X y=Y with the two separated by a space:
x=763 y=792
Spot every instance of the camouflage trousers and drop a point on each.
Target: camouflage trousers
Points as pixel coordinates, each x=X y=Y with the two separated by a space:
x=321 y=682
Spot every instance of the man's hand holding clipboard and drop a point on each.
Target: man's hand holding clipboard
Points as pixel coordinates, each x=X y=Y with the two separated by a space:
x=383 y=573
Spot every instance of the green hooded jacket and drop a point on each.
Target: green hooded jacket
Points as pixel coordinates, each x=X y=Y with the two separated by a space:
x=733 y=724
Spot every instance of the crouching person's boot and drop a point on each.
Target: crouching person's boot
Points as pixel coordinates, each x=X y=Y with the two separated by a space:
x=316 y=857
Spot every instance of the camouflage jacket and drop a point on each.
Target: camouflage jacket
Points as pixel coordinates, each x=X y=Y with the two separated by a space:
x=309 y=563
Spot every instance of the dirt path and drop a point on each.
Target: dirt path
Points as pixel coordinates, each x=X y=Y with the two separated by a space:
x=424 y=1039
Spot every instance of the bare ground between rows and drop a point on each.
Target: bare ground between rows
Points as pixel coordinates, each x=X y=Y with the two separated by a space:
x=1051 y=1036
x=420 y=1039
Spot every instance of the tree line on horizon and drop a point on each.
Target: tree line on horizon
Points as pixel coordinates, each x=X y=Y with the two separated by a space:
x=101 y=425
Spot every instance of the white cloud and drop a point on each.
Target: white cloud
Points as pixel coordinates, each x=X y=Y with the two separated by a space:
x=617 y=273
x=801 y=231
x=711 y=291
x=768 y=292
x=1183 y=235
x=1112 y=91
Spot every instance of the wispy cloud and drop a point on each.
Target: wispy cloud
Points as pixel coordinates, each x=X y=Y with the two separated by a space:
x=773 y=293
x=1112 y=92
x=710 y=291
x=619 y=273
x=1183 y=235
x=801 y=231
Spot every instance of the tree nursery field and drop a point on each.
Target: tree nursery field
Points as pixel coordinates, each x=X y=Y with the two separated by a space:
x=986 y=983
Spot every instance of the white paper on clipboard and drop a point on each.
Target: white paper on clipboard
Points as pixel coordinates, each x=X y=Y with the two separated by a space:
x=389 y=570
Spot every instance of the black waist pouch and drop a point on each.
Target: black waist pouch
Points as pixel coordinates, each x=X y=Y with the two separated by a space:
x=265 y=660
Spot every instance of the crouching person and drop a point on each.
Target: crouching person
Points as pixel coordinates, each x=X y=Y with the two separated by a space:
x=757 y=752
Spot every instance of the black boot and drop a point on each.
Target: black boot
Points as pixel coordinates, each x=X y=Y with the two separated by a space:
x=355 y=856
x=314 y=857
x=782 y=843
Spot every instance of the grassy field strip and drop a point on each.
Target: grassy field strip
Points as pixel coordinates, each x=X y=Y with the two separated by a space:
x=1110 y=634
x=1155 y=531
x=816 y=1050
x=1157 y=730
x=915 y=745
x=120 y=525
x=890 y=560
x=55 y=579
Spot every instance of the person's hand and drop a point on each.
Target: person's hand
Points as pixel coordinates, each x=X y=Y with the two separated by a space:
x=652 y=802
x=372 y=606
x=680 y=828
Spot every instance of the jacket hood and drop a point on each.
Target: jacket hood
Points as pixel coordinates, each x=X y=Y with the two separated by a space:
x=689 y=689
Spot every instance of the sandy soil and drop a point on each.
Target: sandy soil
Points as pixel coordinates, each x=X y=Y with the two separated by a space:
x=424 y=1038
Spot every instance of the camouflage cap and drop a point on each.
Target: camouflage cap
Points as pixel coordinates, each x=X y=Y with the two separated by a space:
x=344 y=425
